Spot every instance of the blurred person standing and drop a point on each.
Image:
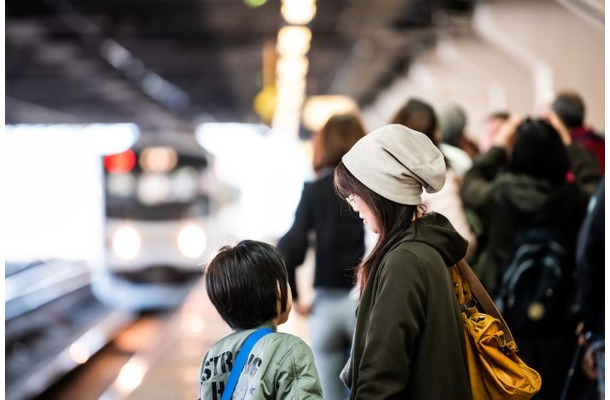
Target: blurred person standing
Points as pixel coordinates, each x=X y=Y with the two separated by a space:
x=409 y=340
x=590 y=285
x=454 y=143
x=491 y=125
x=323 y=221
x=570 y=107
x=521 y=183
x=420 y=116
x=485 y=140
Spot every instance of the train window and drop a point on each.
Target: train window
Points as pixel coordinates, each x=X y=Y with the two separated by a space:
x=159 y=212
x=154 y=188
x=121 y=185
x=159 y=183
x=185 y=183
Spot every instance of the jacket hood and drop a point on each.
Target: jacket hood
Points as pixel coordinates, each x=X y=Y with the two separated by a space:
x=528 y=197
x=435 y=230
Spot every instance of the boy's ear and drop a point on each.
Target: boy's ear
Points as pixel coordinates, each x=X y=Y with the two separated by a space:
x=279 y=298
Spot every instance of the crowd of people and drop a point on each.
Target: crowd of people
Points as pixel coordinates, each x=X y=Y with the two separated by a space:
x=384 y=323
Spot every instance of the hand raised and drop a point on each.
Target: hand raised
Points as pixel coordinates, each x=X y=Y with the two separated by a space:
x=505 y=137
x=559 y=126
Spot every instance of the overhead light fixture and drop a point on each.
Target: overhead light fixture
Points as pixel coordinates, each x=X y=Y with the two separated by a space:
x=292 y=67
x=298 y=12
x=293 y=41
x=318 y=109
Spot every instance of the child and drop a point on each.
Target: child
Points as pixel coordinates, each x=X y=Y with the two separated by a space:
x=248 y=285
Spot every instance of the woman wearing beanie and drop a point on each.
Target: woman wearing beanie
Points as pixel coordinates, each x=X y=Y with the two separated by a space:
x=408 y=342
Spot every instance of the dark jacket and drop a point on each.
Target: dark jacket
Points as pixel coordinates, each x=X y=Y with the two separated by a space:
x=592 y=141
x=409 y=339
x=507 y=202
x=590 y=266
x=337 y=232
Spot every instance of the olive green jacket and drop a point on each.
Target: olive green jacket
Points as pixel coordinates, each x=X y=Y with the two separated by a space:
x=280 y=366
x=409 y=341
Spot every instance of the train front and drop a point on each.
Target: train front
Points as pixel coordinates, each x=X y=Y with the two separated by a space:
x=157 y=204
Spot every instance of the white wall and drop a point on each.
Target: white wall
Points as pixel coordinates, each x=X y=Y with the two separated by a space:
x=517 y=56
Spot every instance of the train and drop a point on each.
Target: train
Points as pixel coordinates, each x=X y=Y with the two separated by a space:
x=157 y=207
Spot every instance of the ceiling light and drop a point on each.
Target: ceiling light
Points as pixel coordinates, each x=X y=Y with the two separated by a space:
x=318 y=109
x=298 y=12
x=293 y=41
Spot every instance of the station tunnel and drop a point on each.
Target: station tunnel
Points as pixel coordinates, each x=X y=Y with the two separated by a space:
x=140 y=137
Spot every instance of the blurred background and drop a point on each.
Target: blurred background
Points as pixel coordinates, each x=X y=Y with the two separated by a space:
x=142 y=135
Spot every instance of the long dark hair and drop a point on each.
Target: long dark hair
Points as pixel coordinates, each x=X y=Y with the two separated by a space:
x=537 y=141
x=393 y=218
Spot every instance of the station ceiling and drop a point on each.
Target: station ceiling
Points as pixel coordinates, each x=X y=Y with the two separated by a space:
x=170 y=64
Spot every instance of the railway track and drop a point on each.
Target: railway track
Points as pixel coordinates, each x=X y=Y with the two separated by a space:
x=60 y=341
x=92 y=379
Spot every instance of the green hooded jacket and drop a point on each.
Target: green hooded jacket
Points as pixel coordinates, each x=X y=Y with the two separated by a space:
x=280 y=366
x=409 y=340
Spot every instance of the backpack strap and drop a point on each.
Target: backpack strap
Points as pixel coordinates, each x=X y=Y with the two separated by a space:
x=243 y=354
x=479 y=292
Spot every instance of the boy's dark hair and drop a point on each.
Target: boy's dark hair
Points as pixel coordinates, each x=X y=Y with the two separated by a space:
x=242 y=283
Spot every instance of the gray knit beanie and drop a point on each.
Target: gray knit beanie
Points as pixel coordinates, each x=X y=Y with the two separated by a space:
x=396 y=162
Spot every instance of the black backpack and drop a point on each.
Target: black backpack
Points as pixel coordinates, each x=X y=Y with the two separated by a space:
x=534 y=294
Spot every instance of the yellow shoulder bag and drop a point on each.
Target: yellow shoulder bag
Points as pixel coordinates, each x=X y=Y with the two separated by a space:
x=494 y=369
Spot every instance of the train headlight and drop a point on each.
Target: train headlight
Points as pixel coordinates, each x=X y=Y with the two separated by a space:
x=192 y=241
x=126 y=242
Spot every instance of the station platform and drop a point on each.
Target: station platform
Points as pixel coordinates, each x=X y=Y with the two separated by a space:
x=169 y=368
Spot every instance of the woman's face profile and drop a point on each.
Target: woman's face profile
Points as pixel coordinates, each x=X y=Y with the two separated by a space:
x=364 y=212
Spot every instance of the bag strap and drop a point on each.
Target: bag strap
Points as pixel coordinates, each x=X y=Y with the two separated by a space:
x=242 y=356
x=479 y=292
